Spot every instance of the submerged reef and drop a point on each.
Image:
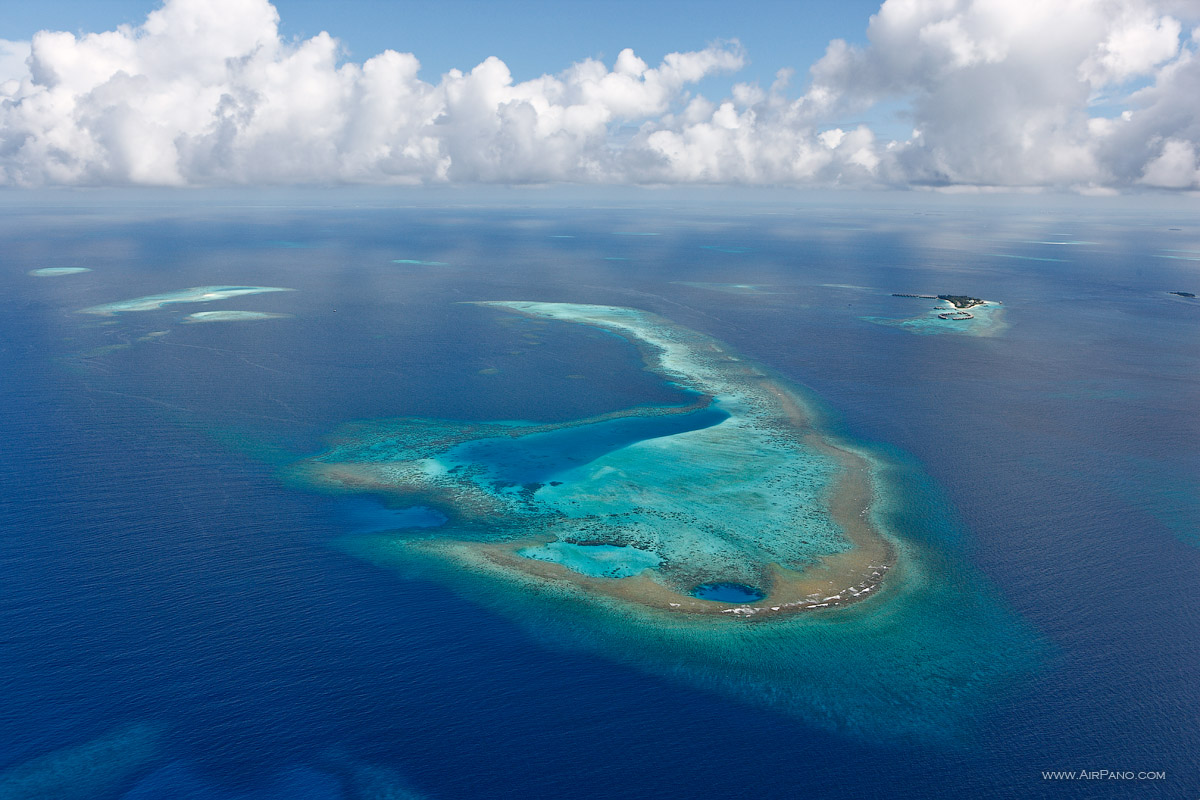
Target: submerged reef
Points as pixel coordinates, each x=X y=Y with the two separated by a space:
x=732 y=542
x=232 y=316
x=57 y=272
x=196 y=294
x=97 y=768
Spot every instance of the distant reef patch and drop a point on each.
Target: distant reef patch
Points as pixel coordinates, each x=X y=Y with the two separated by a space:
x=195 y=294
x=57 y=272
x=232 y=316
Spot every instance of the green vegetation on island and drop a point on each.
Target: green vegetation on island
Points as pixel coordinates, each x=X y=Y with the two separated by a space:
x=960 y=300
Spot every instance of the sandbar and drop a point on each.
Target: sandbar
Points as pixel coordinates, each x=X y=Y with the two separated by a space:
x=195 y=294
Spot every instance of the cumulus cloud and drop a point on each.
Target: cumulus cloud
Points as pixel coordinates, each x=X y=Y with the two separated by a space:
x=999 y=93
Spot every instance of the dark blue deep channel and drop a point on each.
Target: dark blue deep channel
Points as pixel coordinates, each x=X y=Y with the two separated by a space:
x=539 y=457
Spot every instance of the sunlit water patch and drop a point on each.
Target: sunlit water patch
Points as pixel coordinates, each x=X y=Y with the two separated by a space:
x=1026 y=258
x=730 y=542
x=727 y=288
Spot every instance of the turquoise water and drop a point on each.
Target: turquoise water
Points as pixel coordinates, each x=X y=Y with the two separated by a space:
x=595 y=560
x=539 y=457
x=987 y=320
x=715 y=494
x=925 y=663
x=368 y=516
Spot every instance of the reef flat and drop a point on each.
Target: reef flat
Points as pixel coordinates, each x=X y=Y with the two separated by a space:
x=57 y=272
x=232 y=316
x=196 y=294
x=647 y=505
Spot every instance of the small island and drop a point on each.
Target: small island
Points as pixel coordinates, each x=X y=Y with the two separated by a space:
x=959 y=301
x=1183 y=294
x=950 y=314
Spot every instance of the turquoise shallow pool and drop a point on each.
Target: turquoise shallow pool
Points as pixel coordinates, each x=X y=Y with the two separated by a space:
x=595 y=560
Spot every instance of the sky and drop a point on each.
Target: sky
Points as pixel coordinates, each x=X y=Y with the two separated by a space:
x=1085 y=96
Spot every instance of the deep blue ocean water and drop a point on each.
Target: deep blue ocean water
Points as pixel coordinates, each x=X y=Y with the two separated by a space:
x=539 y=457
x=177 y=620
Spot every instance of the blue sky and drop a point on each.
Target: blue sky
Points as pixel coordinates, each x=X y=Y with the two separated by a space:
x=1096 y=96
x=531 y=36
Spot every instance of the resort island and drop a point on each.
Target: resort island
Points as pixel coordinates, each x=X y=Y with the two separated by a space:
x=961 y=301
x=983 y=314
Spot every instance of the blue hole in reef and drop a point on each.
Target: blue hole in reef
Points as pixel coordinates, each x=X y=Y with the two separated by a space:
x=728 y=592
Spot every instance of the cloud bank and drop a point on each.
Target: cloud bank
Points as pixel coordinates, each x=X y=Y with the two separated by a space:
x=1085 y=95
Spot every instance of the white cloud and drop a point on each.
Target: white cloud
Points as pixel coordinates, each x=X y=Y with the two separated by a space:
x=1000 y=89
x=1175 y=168
x=206 y=92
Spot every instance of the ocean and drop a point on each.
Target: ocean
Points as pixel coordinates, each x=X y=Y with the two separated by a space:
x=182 y=616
